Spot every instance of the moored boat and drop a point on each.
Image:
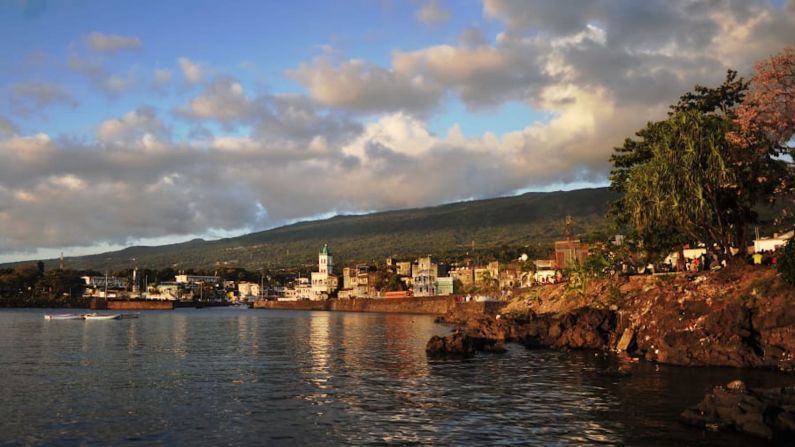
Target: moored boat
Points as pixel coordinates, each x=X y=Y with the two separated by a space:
x=63 y=317
x=102 y=316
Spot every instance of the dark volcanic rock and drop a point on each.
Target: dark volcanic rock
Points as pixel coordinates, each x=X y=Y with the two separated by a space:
x=465 y=343
x=454 y=344
x=584 y=328
x=765 y=413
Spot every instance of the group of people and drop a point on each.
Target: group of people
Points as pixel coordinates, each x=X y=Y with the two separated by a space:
x=765 y=257
x=706 y=262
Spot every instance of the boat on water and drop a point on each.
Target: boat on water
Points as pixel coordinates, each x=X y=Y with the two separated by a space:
x=63 y=317
x=102 y=316
x=129 y=316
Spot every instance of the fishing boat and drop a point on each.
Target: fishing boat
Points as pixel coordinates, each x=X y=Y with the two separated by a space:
x=63 y=317
x=102 y=316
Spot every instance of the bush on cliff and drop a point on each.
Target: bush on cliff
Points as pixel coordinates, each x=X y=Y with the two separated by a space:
x=786 y=264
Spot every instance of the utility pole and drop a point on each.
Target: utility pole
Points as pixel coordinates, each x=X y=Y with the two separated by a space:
x=568 y=221
x=261 y=282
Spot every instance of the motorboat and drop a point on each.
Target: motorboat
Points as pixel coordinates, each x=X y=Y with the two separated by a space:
x=63 y=317
x=102 y=316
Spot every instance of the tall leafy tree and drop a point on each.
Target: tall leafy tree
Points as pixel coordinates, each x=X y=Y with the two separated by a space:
x=679 y=189
x=686 y=179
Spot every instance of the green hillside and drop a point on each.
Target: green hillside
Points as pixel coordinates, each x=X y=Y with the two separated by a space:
x=525 y=223
x=501 y=228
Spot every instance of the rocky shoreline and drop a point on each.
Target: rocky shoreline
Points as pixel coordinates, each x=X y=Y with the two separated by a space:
x=739 y=317
x=767 y=413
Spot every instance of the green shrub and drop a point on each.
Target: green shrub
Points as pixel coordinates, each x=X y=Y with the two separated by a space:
x=786 y=263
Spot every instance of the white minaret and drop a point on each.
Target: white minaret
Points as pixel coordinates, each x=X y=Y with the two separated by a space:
x=325 y=261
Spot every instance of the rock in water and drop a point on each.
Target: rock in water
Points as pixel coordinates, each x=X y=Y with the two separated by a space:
x=766 y=413
x=454 y=344
x=477 y=336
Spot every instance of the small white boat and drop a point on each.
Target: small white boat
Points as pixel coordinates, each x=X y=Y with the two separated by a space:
x=102 y=316
x=63 y=317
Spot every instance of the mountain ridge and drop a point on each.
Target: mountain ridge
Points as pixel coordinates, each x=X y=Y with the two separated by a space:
x=530 y=221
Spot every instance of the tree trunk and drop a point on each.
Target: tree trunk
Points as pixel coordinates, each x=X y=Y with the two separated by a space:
x=680 y=261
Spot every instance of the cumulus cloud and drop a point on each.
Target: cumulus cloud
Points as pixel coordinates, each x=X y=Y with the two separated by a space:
x=161 y=77
x=360 y=86
x=141 y=123
x=110 y=42
x=360 y=139
x=111 y=84
x=225 y=182
x=223 y=100
x=7 y=128
x=33 y=97
x=294 y=121
x=430 y=13
x=191 y=71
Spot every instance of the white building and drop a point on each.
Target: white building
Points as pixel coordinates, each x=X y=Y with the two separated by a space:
x=772 y=243
x=444 y=285
x=248 y=290
x=195 y=279
x=323 y=281
x=424 y=276
x=303 y=289
x=98 y=282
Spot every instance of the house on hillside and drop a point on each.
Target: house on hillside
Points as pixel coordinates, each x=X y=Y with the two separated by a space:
x=464 y=274
x=424 y=274
x=444 y=285
x=570 y=252
x=358 y=282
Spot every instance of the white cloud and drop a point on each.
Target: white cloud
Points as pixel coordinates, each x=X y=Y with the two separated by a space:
x=111 y=84
x=138 y=124
x=360 y=139
x=223 y=100
x=161 y=77
x=33 y=97
x=191 y=71
x=360 y=86
x=430 y=13
x=111 y=43
x=7 y=128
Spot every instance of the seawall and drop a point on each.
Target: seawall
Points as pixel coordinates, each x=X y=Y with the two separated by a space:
x=131 y=304
x=436 y=305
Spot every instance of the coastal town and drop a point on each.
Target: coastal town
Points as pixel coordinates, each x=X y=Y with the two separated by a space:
x=417 y=222
x=425 y=276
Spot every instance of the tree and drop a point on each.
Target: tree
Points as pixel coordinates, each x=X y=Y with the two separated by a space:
x=682 y=186
x=62 y=282
x=685 y=179
x=768 y=111
x=786 y=263
x=765 y=120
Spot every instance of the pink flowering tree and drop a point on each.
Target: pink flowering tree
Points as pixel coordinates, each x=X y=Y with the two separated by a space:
x=768 y=111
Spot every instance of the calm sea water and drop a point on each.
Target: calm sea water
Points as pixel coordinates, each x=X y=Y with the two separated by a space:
x=240 y=377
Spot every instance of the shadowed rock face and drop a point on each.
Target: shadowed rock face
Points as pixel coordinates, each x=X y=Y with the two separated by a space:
x=744 y=320
x=585 y=328
x=485 y=334
x=765 y=413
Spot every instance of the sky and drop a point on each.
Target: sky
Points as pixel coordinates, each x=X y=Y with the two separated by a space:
x=148 y=122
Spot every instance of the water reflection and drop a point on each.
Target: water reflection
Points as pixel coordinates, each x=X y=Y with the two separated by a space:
x=206 y=377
